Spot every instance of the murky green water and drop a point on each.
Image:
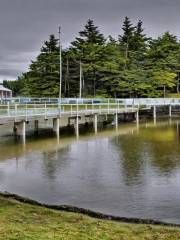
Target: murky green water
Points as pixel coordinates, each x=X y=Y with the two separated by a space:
x=129 y=172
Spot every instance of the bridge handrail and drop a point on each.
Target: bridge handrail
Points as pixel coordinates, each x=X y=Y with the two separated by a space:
x=130 y=101
x=27 y=110
x=10 y=109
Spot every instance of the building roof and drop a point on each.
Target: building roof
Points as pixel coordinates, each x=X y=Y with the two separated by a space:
x=4 y=89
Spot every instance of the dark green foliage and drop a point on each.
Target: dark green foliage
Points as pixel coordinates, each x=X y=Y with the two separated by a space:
x=131 y=66
x=88 y=48
x=42 y=80
x=128 y=34
x=15 y=86
x=90 y=35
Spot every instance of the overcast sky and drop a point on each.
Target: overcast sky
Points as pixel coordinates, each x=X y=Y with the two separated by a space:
x=25 y=24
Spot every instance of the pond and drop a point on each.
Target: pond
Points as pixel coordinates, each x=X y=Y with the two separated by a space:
x=132 y=171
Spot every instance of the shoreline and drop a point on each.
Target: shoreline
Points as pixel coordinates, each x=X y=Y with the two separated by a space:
x=87 y=212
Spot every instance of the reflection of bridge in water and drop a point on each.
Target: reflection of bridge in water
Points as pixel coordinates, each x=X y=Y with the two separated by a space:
x=78 y=111
x=9 y=150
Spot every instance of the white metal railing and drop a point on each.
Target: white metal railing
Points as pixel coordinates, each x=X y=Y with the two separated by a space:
x=77 y=106
x=152 y=101
x=127 y=101
x=31 y=110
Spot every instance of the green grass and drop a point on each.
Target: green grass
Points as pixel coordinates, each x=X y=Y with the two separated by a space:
x=26 y=222
x=173 y=95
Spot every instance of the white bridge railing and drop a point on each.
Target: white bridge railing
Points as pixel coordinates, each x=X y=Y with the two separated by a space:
x=91 y=101
x=151 y=101
x=16 y=107
x=31 y=110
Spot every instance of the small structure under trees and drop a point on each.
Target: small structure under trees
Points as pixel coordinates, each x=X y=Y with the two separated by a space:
x=5 y=92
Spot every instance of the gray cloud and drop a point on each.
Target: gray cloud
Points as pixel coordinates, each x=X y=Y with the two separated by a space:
x=25 y=24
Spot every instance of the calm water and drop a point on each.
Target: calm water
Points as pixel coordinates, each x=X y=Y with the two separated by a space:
x=132 y=172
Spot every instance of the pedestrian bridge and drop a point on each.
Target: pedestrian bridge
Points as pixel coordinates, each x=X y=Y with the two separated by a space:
x=20 y=111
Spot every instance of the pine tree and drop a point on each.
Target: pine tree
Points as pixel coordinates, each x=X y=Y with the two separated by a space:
x=126 y=40
x=139 y=48
x=162 y=47
x=90 y=35
x=139 y=38
x=128 y=32
x=42 y=80
x=87 y=48
x=111 y=40
x=162 y=58
x=50 y=46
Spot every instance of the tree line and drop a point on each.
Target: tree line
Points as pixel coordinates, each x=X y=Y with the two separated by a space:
x=132 y=65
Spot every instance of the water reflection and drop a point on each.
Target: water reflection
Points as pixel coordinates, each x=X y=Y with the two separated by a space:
x=164 y=148
x=132 y=171
x=130 y=157
x=53 y=162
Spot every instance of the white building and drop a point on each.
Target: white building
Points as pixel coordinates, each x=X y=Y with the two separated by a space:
x=5 y=92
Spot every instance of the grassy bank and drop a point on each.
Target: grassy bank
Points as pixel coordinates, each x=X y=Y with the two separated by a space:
x=173 y=95
x=28 y=222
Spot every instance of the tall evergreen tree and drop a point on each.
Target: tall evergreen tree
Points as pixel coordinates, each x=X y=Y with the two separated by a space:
x=162 y=57
x=128 y=32
x=162 y=47
x=42 y=80
x=90 y=35
x=87 y=48
x=50 y=46
x=126 y=40
x=139 y=38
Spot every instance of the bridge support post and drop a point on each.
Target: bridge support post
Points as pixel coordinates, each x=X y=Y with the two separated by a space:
x=177 y=128
x=20 y=130
x=116 y=120
x=56 y=125
x=76 y=126
x=36 y=126
x=137 y=117
x=95 y=123
x=154 y=112
x=170 y=111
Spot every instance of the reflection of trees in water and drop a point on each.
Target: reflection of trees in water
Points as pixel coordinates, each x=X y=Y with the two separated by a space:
x=2 y=176
x=9 y=150
x=158 y=146
x=131 y=159
x=164 y=147
x=54 y=161
x=165 y=157
x=177 y=129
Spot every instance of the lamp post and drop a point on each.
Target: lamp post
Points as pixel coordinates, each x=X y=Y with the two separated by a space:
x=60 y=65
x=80 y=81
